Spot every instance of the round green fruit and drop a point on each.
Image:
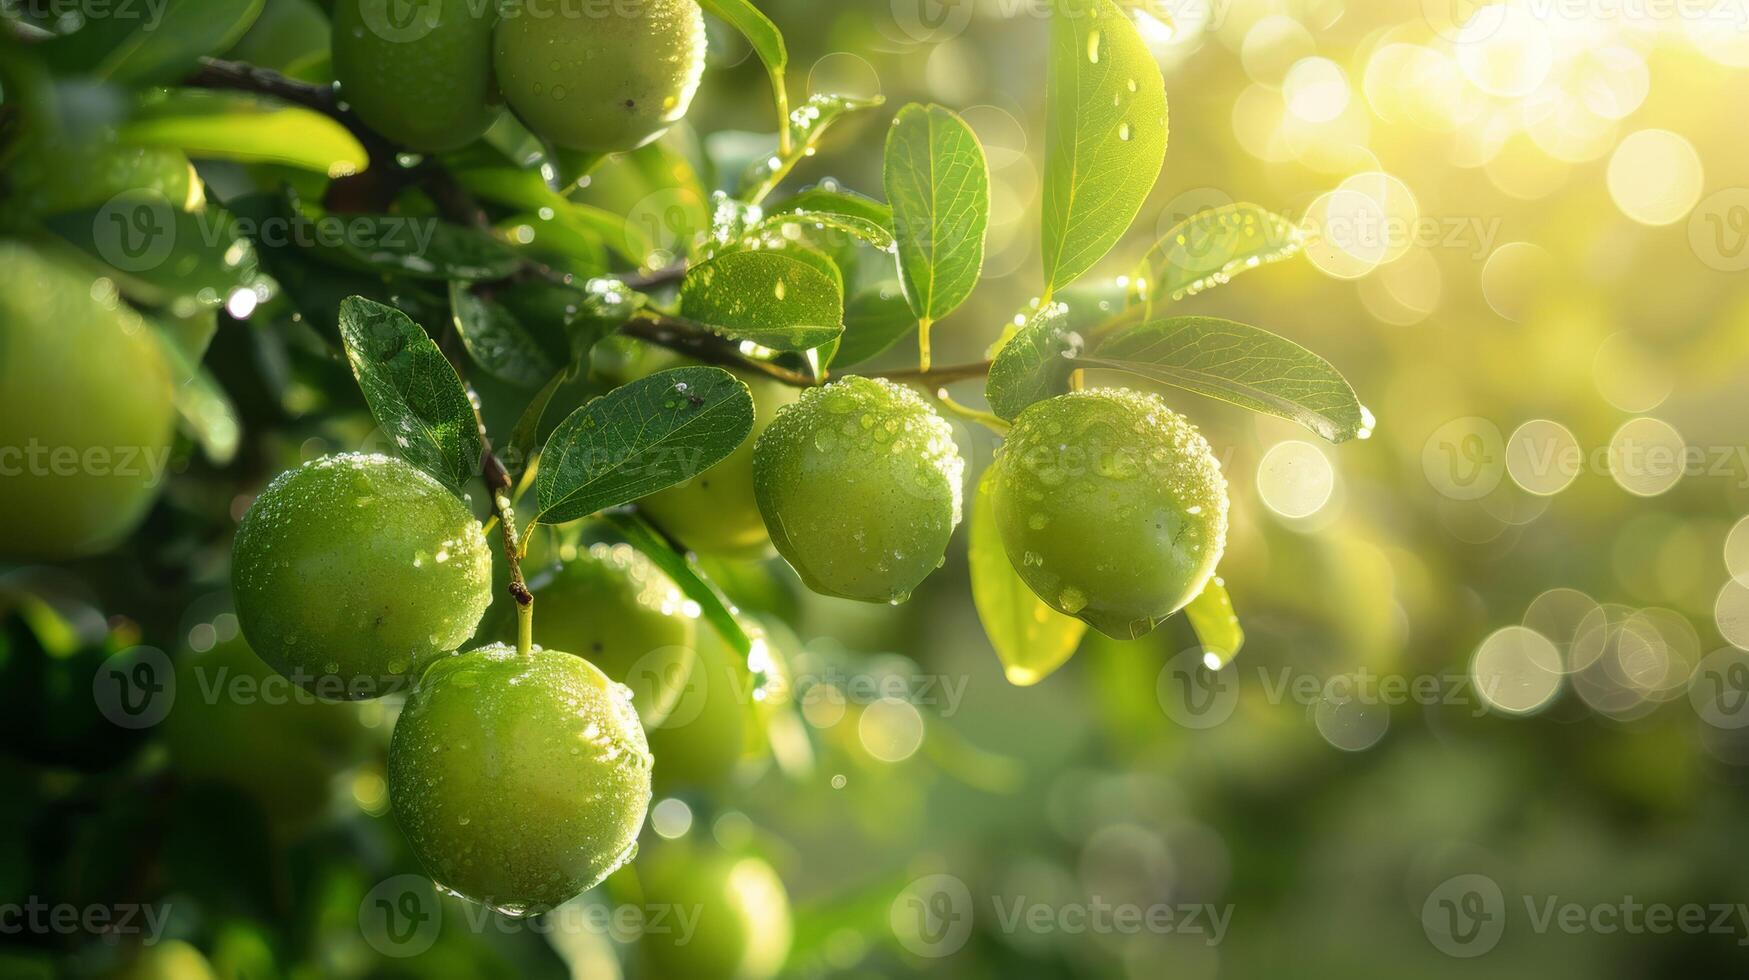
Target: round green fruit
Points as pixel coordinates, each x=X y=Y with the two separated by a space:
x=716 y=513
x=613 y=606
x=702 y=740
x=351 y=572
x=1111 y=507
x=419 y=73
x=171 y=959
x=742 y=928
x=860 y=483
x=605 y=78
x=86 y=411
x=519 y=781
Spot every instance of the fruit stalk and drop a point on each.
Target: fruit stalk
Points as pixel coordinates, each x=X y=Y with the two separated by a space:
x=499 y=485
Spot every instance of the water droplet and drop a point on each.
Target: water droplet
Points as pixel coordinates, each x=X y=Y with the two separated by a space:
x=1093 y=47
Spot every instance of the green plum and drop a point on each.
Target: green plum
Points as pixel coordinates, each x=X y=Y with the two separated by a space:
x=520 y=781
x=612 y=605
x=420 y=73
x=351 y=572
x=86 y=410
x=742 y=929
x=1111 y=507
x=860 y=485
x=603 y=78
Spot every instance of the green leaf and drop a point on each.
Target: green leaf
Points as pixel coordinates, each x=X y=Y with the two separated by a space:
x=640 y=438
x=526 y=189
x=807 y=125
x=1211 y=247
x=1241 y=364
x=763 y=35
x=1035 y=363
x=496 y=340
x=413 y=391
x=830 y=199
x=1217 y=626
x=773 y=299
x=1105 y=135
x=234 y=126
x=876 y=319
x=1030 y=637
x=526 y=435
x=713 y=607
x=939 y=188
x=206 y=411
x=152 y=43
x=777 y=229
x=424 y=248
x=165 y=256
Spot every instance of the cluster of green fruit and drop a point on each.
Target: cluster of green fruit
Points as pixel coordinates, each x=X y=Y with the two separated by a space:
x=595 y=78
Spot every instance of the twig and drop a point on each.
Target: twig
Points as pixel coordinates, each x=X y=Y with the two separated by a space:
x=937 y=376
x=683 y=337
x=500 y=486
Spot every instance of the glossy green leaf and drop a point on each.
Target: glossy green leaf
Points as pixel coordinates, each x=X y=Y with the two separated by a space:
x=424 y=248
x=1030 y=637
x=234 y=126
x=939 y=187
x=773 y=299
x=779 y=227
x=413 y=391
x=1241 y=364
x=1105 y=135
x=1211 y=247
x=1034 y=364
x=713 y=607
x=831 y=199
x=152 y=43
x=497 y=340
x=763 y=35
x=640 y=438
x=875 y=320
x=526 y=435
x=1217 y=626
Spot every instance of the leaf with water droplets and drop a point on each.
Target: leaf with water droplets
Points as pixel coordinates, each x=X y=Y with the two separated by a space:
x=1241 y=364
x=825 y=199
x=713 y=606
x=1217 y=626
x=1035 y=363
x=497 y=340
x=774 y=299
x=807 y=125
x=642 y=437
x=413 y=391
x=1105 y=135
x=1211 y=247
x=1030 y=637
x=939 y=187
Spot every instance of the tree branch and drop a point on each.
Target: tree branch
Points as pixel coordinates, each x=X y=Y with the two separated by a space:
x=937 y=376
x=684 y=338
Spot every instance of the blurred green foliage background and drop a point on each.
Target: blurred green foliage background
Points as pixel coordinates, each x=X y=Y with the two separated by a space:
x=1526 y=228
